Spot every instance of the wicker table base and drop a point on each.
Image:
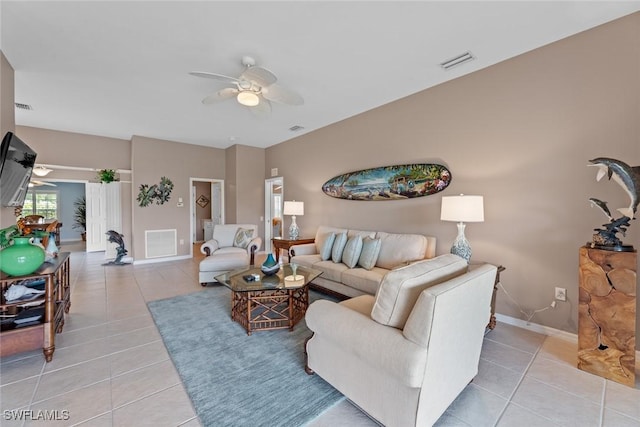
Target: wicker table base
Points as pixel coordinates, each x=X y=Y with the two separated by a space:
x=269 y=308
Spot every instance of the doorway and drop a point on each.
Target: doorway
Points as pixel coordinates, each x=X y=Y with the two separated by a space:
x=273 y=202
x=206 y=208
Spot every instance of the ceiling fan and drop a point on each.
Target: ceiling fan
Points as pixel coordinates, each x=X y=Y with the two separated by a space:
x=37 y=183
x=254 y=88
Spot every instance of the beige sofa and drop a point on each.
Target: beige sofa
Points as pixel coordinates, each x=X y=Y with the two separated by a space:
x=404 y=355
x=395 y=250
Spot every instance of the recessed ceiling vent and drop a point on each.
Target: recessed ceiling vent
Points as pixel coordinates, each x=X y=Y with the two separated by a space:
x=458 y=60
x=23 y=106
x=296 y=128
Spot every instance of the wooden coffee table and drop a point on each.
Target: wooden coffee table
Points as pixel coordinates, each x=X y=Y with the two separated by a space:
x=270 y=302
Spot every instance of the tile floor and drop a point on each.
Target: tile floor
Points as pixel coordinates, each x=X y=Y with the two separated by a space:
x=110 y=367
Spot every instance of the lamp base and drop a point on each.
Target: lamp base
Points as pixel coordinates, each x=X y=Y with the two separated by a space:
x=293 y=229
x=461 y=245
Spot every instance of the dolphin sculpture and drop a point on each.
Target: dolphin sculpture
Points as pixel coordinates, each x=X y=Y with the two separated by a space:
x=603 y=207
x=626 y=176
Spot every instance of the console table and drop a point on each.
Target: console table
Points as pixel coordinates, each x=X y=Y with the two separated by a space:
x=56 y=301
x=282 y=243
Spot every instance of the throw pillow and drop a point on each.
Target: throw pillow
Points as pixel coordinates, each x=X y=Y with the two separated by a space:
x=338 y=247
x=352 y=251
x=369 y=253
x=325 y=251
x=243 y=237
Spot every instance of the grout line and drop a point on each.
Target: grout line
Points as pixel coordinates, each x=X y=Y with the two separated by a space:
x=602 y=403
x=515 y=389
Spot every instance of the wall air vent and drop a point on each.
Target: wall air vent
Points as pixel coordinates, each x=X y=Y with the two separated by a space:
x=460 y=59
x=296 y=128
x=160 y=243
x=23 y=106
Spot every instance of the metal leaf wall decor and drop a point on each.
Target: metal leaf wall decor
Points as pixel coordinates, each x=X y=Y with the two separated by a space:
x=158 y=193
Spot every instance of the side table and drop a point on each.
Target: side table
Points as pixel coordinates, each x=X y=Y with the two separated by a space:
x=282 y=243
x=492 y=319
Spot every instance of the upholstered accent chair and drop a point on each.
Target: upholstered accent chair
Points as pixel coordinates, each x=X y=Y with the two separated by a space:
x=404 y=355
x=232 y=247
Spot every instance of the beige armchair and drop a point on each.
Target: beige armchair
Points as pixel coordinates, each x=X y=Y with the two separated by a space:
x=232 y=247
x=404 y=355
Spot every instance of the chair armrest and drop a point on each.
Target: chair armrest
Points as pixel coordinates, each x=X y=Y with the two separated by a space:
x=209 y=247
x=252 y=248
x=383 y=347
x=304 y=249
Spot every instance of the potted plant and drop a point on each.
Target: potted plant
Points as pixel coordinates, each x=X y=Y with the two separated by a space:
x=80 y=216
x=107 y=175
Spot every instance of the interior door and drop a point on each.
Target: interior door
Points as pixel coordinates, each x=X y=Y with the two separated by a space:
x=96 y=217
x=273 y=200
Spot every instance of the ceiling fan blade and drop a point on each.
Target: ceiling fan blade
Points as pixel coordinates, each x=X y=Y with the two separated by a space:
x=259 y=75
x=262 y=110
x=37 y=183
x=277 y=93
x=214 y=76
x=221 y=95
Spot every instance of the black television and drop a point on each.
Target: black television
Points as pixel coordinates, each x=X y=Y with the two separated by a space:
x=16 y=163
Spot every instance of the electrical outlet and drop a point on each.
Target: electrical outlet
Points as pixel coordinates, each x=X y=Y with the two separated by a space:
x=561 y=294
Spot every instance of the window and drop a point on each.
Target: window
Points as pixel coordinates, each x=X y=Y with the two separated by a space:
x=41 y=202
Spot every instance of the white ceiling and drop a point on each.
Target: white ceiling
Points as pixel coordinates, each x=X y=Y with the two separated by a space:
x=119 y=69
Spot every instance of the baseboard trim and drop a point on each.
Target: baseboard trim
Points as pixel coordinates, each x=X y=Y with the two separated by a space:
x=155 y=260
x=541 y=329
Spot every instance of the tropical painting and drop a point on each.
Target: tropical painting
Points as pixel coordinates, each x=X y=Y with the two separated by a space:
x=389 y=182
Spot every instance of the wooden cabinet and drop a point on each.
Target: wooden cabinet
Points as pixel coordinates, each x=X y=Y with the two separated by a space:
x=56 y=301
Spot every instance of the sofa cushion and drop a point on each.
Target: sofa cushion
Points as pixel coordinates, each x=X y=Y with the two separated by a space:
x=226 y=233
x=400 y=288
x=352 y=250
x=307 y=260
x=330 y=270
x=243 y=237
x=338 y=247
x=323 y=232
x=398 y=249
x=362 y=233
x=363 y=280
x=325 y=250
x=369 y=253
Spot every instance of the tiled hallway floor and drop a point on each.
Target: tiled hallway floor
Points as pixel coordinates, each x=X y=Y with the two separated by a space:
x=110 y=367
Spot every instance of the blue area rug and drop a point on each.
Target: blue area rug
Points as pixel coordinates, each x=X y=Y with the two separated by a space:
x=234 y=379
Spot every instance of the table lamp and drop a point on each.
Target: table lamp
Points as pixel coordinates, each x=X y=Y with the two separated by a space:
x=293 y=208
x=462 y=209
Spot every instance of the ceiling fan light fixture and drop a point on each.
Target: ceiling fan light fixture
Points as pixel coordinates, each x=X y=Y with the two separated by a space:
x=248 y=98
x=41 y=170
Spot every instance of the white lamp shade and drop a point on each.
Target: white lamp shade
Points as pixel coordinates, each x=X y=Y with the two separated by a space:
x=462 y=208
x=293 y=208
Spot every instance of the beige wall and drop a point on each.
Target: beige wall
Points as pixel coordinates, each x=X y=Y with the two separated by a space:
x=244 y=186
x=84 y=151
x=7 y=121
x=153 y=159
x=77 y=149
x=521 y=134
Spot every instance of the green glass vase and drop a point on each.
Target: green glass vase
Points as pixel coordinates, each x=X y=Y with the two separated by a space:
x=270 y=266
x=21 y=257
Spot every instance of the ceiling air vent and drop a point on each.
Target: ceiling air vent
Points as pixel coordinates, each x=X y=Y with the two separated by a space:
x=460 y=59
x=23 y=106
x=296 y=128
